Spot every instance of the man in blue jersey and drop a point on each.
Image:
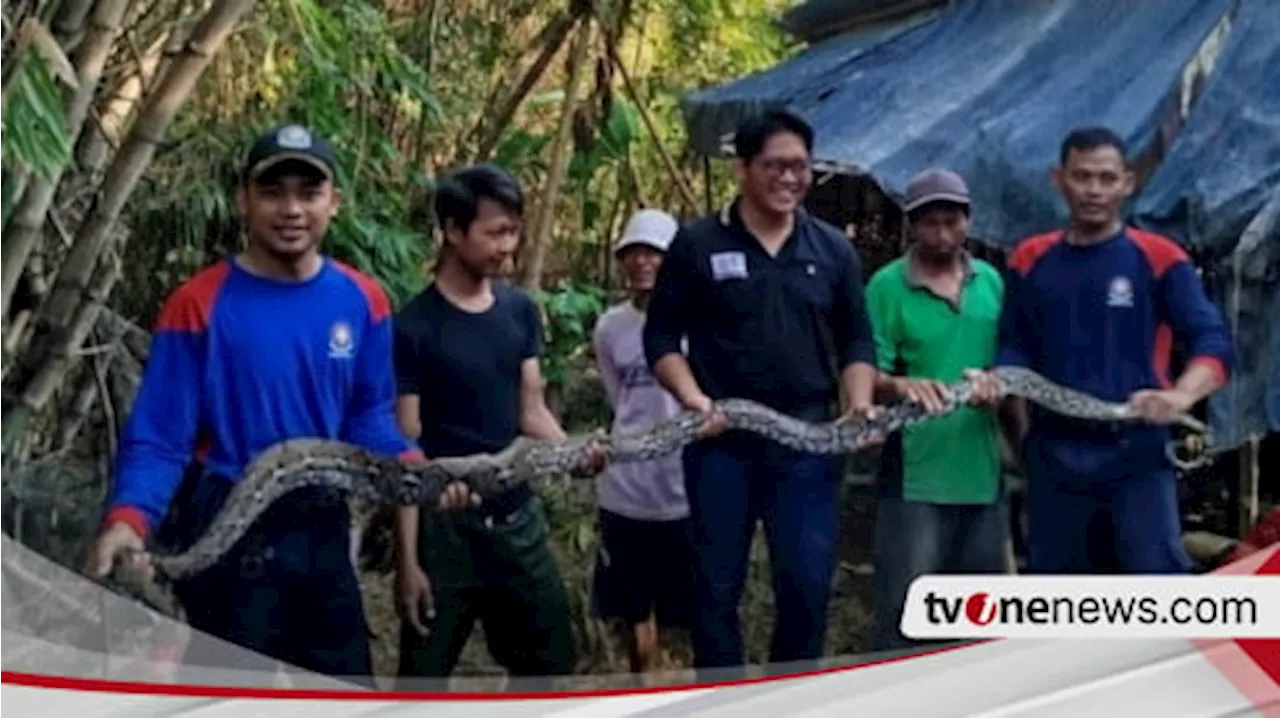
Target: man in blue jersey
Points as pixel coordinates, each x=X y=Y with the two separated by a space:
x=278 y=342
x=466 y=356
x=1096 y=307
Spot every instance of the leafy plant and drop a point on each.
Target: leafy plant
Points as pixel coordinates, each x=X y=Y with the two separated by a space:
x=33 y=126
x=569 y=313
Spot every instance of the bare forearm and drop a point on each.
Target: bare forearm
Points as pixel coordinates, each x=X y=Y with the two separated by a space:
x=1198 y=381
x=408 y=415
x=673 y=373
x=859 y=383
x=539 y=423
x=406 y=532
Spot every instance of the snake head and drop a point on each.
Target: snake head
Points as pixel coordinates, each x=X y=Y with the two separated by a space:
x=1187 y=454
x=502 y=479
x=132 y=567
x=408 y=488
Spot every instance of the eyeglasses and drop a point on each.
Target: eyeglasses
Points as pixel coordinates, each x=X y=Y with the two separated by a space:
x=778 y=167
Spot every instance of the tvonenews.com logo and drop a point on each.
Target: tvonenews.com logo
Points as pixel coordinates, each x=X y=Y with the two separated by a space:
x=1100 y=606
x=983 y=609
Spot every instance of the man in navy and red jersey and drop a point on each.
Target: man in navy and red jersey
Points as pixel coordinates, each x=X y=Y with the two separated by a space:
x=1096 y=307
x=278 y=342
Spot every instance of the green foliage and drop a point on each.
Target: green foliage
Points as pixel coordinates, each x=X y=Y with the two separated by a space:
x=349 y=64
x=696 y=44
x=616 y=135
x=338 y=69
x=569 y=313
x=722 y=38
x=34 y=114
x=397 y=92
x=34 y=125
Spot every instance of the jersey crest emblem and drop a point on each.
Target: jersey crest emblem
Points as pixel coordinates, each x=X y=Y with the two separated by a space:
x=341 y=341
x=1120 y=292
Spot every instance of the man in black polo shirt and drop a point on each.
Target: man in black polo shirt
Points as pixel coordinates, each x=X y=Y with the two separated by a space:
x=466 y=356
x=770 y=299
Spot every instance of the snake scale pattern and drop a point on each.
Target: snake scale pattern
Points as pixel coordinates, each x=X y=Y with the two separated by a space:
x=379 y=481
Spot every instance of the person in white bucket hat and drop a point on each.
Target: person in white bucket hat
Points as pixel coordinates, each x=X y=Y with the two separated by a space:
x=644 y=567
x=649 y=228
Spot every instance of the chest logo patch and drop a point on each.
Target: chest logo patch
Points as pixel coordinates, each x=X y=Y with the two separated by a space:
x=342 y=342
x=728 y=265
x=1120 y=292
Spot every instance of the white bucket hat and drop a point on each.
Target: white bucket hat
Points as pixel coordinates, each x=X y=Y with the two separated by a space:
x=649 y=227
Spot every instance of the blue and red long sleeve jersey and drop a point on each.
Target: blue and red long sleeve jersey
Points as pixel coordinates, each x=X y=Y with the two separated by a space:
x=239 y=362
x=1102 y=318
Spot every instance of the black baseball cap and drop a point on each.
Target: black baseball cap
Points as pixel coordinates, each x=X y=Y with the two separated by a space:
x=290 y=143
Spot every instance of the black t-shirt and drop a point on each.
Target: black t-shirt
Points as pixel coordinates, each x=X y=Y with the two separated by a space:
x=465 y=368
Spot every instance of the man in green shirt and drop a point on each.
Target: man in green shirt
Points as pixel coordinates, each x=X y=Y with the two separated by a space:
x=934 y=312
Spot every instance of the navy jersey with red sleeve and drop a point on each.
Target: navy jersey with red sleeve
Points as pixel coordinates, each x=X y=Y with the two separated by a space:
x=239 y=362
x=1102 y=318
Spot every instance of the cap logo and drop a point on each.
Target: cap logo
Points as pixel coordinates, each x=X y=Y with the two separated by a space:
x=293 y=137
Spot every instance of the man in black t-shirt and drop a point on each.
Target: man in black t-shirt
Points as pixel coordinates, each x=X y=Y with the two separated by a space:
x=466 y=356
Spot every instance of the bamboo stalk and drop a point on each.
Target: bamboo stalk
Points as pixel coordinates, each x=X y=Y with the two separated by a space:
x=681 y=182
x=64 y=357
x=69 y=22
x=27 y=222
x=102 y=136
x=136 y=153
x=558 y=29
x=531 y=271
x=73 y=417
x=109 y=414
x=66 y=318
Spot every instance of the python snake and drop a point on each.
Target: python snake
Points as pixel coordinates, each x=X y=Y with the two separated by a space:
x=368 y=478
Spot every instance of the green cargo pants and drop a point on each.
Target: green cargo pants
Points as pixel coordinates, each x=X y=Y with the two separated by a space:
x=497 y=569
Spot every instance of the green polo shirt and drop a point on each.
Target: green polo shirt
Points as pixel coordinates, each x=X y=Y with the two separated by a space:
x=953 y=459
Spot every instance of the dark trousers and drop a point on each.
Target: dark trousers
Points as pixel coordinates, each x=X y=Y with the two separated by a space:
x=1125 y=512
x=732 y=482
x=915 y=538
x=286 y=591
x=492 y=564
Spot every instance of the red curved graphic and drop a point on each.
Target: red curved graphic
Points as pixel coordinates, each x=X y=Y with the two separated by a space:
x=99 y=685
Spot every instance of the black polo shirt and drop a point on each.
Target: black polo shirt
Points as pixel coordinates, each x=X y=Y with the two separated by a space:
x=772 y=329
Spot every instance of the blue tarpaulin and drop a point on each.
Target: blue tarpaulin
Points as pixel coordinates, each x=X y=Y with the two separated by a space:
x=1220 y=172
x=990 y=87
